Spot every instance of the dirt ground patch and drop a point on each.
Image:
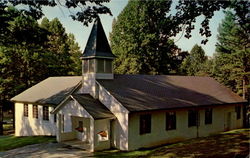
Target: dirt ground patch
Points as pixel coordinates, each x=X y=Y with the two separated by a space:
x=46 y=150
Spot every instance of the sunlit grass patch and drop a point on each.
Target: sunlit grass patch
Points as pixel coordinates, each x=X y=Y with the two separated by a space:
x=11 y=142
x=242 y=131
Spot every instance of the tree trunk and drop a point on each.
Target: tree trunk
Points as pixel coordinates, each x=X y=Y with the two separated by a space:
x=1 y=120
x=244 y=88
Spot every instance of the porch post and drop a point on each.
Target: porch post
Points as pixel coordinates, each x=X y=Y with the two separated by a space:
x=59 y=127
x=92 y=135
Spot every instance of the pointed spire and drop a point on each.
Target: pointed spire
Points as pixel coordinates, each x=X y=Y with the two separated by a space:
x=97 y=45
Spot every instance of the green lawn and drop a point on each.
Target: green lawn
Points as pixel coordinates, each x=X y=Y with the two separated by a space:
x=234 y=143
x=11 y=142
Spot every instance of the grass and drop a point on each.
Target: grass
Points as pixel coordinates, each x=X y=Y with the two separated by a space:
x=12 y=142
x=234 y=143
x=117 y=153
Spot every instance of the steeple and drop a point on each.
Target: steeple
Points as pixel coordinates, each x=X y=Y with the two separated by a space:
x=97 y=56
x=97 y=45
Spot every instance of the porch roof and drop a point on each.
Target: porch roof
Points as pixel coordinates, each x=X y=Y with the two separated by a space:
x=93 y=106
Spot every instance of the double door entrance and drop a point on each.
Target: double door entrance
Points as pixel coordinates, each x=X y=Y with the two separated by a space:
x=81 y=126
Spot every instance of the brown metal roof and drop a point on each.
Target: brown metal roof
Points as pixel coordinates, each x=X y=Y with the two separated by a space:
x=50 y=91
x=148 y=92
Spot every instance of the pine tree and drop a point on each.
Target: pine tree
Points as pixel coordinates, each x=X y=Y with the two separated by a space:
x=194 y=64
x=75 y=54
x=233 y=57
x=63 y=52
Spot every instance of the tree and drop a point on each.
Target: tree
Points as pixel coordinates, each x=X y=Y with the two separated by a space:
x=20 y=50
x=20 y=54
x=87 y=10
x=32 y=53
x=58 y=50
x=62 y=49
x=137 y=39
x=75 y=54
x=233 y=55
x=194 y=63
x=186 y=12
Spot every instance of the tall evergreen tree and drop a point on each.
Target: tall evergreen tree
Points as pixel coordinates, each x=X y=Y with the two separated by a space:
x=32 y=53
x=75 y=54
x=20 y=56
x=58 y=48
x=233 y=57
x=63 y=52
x=194 y=63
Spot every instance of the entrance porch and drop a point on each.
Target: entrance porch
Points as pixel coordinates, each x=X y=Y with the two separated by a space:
x=85 y=133
x=85 y=122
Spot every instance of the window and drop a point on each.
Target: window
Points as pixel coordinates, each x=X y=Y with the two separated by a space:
x=145 y=124
x=25 y=110
x=238 y=112
x=85 y=66
x=55 y=118
x=192 y=118
x=208 y=116
x=108 y=66
x=35 y=111
x=91 y=65
x=100 y=65
x=45 y=113
x=170 y=120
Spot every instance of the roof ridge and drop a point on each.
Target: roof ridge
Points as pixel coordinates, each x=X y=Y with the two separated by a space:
x=61 y=76
x=162 y=75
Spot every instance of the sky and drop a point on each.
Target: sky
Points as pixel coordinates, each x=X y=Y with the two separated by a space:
x=81 y=32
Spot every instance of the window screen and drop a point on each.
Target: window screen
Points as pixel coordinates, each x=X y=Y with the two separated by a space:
x=85 y=66
x=45 y=113
x=108 y=66
x=35 y=111
x=100 y=65
x=91 y=65
x=26 y=110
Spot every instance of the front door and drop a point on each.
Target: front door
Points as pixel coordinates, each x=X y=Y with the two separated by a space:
x=80 y=131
